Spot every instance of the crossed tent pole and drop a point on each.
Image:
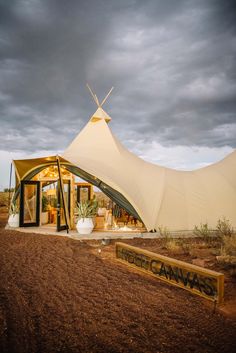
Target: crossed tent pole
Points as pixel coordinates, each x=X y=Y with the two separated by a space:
x=96 y=98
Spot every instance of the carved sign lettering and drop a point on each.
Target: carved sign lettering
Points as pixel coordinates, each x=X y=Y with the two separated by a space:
x=206 y=283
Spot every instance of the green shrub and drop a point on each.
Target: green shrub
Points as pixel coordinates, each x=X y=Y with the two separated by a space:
x=224 y=228
x=203 y=231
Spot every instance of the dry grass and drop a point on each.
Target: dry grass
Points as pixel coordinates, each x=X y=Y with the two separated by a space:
x=228 y=247
x=227 y=257
x=173 y=246
x=4 y=199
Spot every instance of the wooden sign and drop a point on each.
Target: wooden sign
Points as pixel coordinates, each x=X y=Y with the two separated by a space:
x=206 y=283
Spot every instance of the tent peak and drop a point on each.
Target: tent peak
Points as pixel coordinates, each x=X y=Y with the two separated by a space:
x=99 y=115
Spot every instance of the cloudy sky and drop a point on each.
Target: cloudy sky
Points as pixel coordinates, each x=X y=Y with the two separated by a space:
x=172 y=64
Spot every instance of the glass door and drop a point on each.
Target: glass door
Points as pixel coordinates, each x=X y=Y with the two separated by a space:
x=29 y=203
x=61 y=218
x=48 y=215
x=83 y=192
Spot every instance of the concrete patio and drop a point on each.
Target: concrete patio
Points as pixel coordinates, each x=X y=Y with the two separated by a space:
x=95 y=235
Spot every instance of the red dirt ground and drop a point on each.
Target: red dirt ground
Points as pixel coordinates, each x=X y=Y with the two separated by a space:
x=61 y=295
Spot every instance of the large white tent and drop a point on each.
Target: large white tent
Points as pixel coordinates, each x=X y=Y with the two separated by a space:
x=161 y=196
x=158 y=196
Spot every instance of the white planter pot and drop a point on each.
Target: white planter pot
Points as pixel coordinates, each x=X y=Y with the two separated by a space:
x=44 y=217
x=13 y=220
x=85 y=225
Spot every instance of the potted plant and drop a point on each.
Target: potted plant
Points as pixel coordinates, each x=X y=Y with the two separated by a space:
x=44 y=215
x=86 y=211
x=13 y=220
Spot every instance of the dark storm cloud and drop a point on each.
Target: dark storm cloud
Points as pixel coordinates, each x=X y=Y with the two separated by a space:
x=172 y=64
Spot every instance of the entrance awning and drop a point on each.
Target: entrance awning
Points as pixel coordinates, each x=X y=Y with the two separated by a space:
x=26 y=169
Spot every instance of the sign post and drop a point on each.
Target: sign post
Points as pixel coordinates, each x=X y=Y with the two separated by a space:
x=206 y=283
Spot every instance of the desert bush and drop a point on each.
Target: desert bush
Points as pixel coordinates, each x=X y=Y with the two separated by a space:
x=165 y=235
x=203 y=231
x=164 y=232
x=7 y=190
x=224 y=228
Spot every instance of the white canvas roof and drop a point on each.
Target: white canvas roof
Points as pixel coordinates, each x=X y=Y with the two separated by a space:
x=178 y=200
